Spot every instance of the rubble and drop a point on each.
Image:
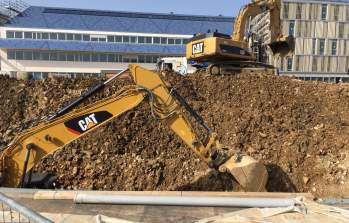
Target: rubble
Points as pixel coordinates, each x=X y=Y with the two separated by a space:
x=298 y=129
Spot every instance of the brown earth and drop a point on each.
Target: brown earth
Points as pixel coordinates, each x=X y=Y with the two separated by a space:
x=298 y=129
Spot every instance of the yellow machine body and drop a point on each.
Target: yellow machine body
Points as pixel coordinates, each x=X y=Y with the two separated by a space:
x=216 y=47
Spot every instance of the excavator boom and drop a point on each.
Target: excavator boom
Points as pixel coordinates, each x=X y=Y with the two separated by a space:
x=166 y=104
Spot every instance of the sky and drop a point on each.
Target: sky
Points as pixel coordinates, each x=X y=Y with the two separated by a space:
x=194 y=7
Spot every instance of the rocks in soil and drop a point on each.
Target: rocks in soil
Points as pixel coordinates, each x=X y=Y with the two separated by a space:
x=298 y=129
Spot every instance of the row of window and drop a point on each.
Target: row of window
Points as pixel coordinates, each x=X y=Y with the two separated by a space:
x=313 y=11
x=96 y=38
x=322 y=47
x=315 y=64
x=43 y=75
x=80 y=57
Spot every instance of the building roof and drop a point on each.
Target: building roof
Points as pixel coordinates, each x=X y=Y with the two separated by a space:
x=116 y=21
x=91 y=46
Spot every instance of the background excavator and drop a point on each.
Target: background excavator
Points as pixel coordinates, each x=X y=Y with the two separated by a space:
x=67 y=125
x=224 y=53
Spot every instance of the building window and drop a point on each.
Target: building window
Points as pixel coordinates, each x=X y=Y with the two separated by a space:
x=141 y=59
x=118 y=39
x=112 y=58
x=156 y=40
x=148 y=59
x=286 y=10
x=10 y=34
x=314 y=65
x=163 y=40
x=70 y=36
x=86 y=57
x=125 y=39
x=141 y=39
x=36 y=55
x=62 y=57
x=314 y=47
x=44 y=35
x=103 y=58
x=171 y=41
x=53 y=56
x=61 y=36
x=94 y=57
x=289 y=64
x=45 y=56
x=149 y=40
x=334 y=47
x=70 y=57
x=336 y=12
x=111 y=39
x=323 y=11
x=86 y=37
x=322 y=47
x=78 y=37
x=53 y=36
x=291 y=28
x=19 y=55
x=341 y=30
x=347 y=13
x=28 y=55
x=28 y=35
x=133 y=39
x=297 y=61
x=19 y=35
x=299 y=11
x=11 y=55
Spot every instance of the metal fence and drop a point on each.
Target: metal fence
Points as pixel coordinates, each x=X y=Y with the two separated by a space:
x=12 y=211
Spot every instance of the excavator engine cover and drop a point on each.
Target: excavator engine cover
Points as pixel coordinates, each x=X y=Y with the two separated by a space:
x=249 y=173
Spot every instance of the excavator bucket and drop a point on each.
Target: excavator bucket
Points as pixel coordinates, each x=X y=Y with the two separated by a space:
x=249 y=173
x=283 y=45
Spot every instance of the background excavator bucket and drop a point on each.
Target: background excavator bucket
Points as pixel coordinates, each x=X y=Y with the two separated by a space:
x=283 y=45
x=249 y=173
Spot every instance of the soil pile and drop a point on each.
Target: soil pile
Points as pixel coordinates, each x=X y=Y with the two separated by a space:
x=298 y=129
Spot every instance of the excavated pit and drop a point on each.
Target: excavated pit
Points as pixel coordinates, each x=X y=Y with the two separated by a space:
x=298 y=129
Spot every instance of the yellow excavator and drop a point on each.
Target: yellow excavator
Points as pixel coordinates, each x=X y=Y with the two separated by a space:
x=225 y=54
x=70 y=123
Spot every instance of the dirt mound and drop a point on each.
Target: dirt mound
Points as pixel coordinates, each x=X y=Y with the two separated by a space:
x=298 y=129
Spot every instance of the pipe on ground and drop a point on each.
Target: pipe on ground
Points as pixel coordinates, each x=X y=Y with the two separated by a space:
x=184 y=201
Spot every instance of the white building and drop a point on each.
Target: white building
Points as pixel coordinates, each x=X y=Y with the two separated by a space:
x=40 y=41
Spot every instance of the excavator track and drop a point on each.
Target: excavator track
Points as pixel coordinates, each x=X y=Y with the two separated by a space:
x=236 y=67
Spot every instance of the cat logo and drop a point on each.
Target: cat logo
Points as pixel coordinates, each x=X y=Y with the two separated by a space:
x=198 y=48
x=86 y=122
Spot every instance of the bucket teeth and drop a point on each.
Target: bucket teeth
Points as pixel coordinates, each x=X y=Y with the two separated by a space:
x=249 y=173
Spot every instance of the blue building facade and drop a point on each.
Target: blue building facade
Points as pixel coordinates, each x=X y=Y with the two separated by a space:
x=42 y=41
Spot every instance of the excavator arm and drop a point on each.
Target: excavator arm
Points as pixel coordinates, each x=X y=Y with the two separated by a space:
x=225 y=54
x=277 y=40
x=166 y=104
